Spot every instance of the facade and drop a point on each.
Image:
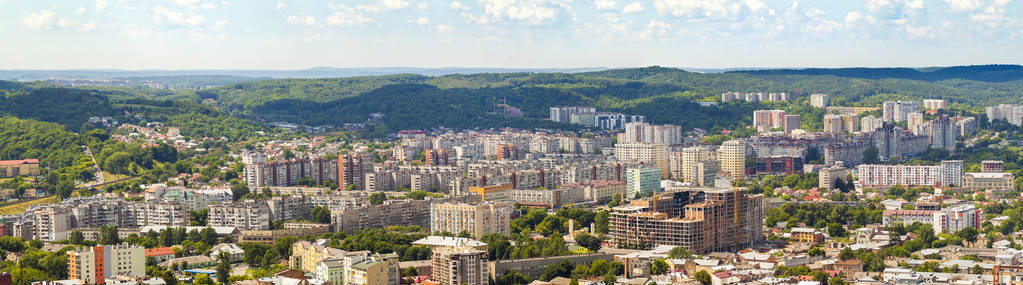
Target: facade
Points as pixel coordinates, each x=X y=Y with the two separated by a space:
x=837 y=123
x=352 y=169
x=288 y=172
x=687 y=160
x=372 y=269
x=602 y=190
x=870 y=123
x=779 y=165
x=642 y=180
x=791 y=123
x=14 y=168
x=564 y=114
x=898 y=111
x=992 y=166
x=243 y=215
x=819 y=100
x=732 y=155
x=97 y=264
x=935 y=104
x=460 y=265
x=305 y=255
x=548 y=198
x=765 y=120
x=943 y=133
x=949 y=173
x=50 y=224
x=709 y=220
x=988 y=181
x=476 y=219
x=706 y=172
x=826 y=177
x=809 y=235
x=955 y=219
x=1013 y=114
x=657 y=154
x=907 y=217
x=390 y=213
x=639 y=132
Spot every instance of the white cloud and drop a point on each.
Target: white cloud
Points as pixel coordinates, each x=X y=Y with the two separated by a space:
x=604 y=4
x=63 y=23
x=345 y=16
x=186 y=3
x=443 y=28
x=383 y=5
x=422 y=21
x=43 y=20
x=81 y=9
x=297 y=20
x=531 y=12
x=421 y=6
x=458 y=6
x=91 y=25
x=633 y=8
x=161 y=14
x=963 y=5
x=856 y=17
x=220 y=24
x=281 y=6
x=208 y=6
x=707 y=8
x=138 y=32
x=657 y=28
x=920 y=31
x=100 y=6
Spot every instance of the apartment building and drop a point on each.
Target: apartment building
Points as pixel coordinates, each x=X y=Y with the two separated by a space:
x=765 y=120
x=563 y=114
x=935 y=104
x=683 y=163
x=95 y=265
x=819 y=100
x=706 y=220
x=869 y=123
x=837 y=123
x=23 y=167
x=989 y=181
x=992 y=166
x=367 y=269
x=244 y=215
x=954 y=219
x=639 y=132
x=305 y=255
x=732 y=155
x=288 y=172
x=477 y=219
x=642 y=180
x=943 y=133
x=50 y=224
x=390 y=213
x=898 y=111
x=826 y=177
x=656 y=154
x=947 y=174
x=352 y=168
x=460 y=265
x=600 y=190
x=779 y=165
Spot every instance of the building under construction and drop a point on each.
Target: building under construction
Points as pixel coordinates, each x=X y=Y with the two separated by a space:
x=701 y=220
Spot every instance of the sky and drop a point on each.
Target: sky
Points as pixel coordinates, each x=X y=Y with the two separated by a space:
x=292 y=34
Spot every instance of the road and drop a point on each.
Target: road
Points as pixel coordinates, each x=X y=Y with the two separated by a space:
x=99 y=179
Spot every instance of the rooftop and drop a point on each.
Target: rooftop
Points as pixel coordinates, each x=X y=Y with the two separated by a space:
x=448 y=241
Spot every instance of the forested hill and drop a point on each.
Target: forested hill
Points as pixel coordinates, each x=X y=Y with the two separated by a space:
x=986 y=73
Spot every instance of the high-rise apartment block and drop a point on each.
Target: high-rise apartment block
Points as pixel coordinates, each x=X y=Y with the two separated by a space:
x=954 y=219
x=732 y=155
x=935 y=104
x=948 y=174
x=288 y=172
x=819 y=100
x=992 y=166
x=95 y=265
x=642 y=180
x=352 y=169
x=656 y=154
x=684 y=162
x=834 y=123
x=943 y=133
x=564 y=114
x=870 y=123
x=477 y=219
x=700 y=220
x=754 y=97
x=244 y=215
x=1008 y=112
x=639 y=132
x=460 y=265
x=897 y=111
x=765 y=120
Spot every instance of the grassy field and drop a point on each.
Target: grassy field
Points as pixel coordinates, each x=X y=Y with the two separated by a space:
x=107 y=176
x=19 y=207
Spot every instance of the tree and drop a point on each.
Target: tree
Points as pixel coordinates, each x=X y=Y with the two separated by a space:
x=270 y=258
x=870 y=155
x=679 y=252
x=108 y=235
x=64 y=188
x=610 y=279
x=512 y=277
x=968 y=234
x=238 y=190
x=76 y=237
x=815 y=251
x=203 y=279
x=836 y=230
x=320 y=214
x=659 y=267
x=223 y=267
x=169 y=278
x=588 y=241
x=562 y=269
x=602 y=220
x=703 y=277
x=377 y=198
x=846 y=254
x=411 y=271
x=117 y=162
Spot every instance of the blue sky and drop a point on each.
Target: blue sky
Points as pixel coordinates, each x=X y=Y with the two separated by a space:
x=291 y=34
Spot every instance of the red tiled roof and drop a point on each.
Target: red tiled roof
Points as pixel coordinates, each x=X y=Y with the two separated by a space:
x=17 y=162
x=159 y=251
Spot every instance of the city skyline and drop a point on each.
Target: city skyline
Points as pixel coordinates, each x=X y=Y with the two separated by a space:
x=202 y=34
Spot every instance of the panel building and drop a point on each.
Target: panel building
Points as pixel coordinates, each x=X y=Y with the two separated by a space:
x=95 y=265
x=477 y=219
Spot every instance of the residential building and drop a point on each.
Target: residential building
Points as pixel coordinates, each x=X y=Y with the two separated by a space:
x=967 y=125
x=642 y=180
x=992 y=166
x=943 y=133
x=352 y=168
x=95 y=265
x=23 y=167
x=907 y=217
x=870 y=123
x=732 y=155
x=779 y=165
x=50 y=224
x=551 y=198
x=602 y=190
x=819 y=100
x=656 y=154
x=791 y=123
x=288 y=172
x=477 y=219
x=639 y=132
x=836 y=123
x=390 y=213
x=935 y=104
x=706 y=172
x=233 y=251
x=331 y=270
x=460 y=265
x=684 y=162
x=564 y=114
x=1002 y=181
x=826 y=177
x=951 y=173
x=947 y=174
x=898 y=111
x=809 y=235
x=766 y=120
x=305 y=255
x=373 y=269
x=706 y=220
x=244 y=215
x=954 y=219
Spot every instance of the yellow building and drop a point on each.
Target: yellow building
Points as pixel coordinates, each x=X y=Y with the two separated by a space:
x=493 y=193
x=988 y=181
x=24 y=167
x=305 y=255
x=733 y=158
